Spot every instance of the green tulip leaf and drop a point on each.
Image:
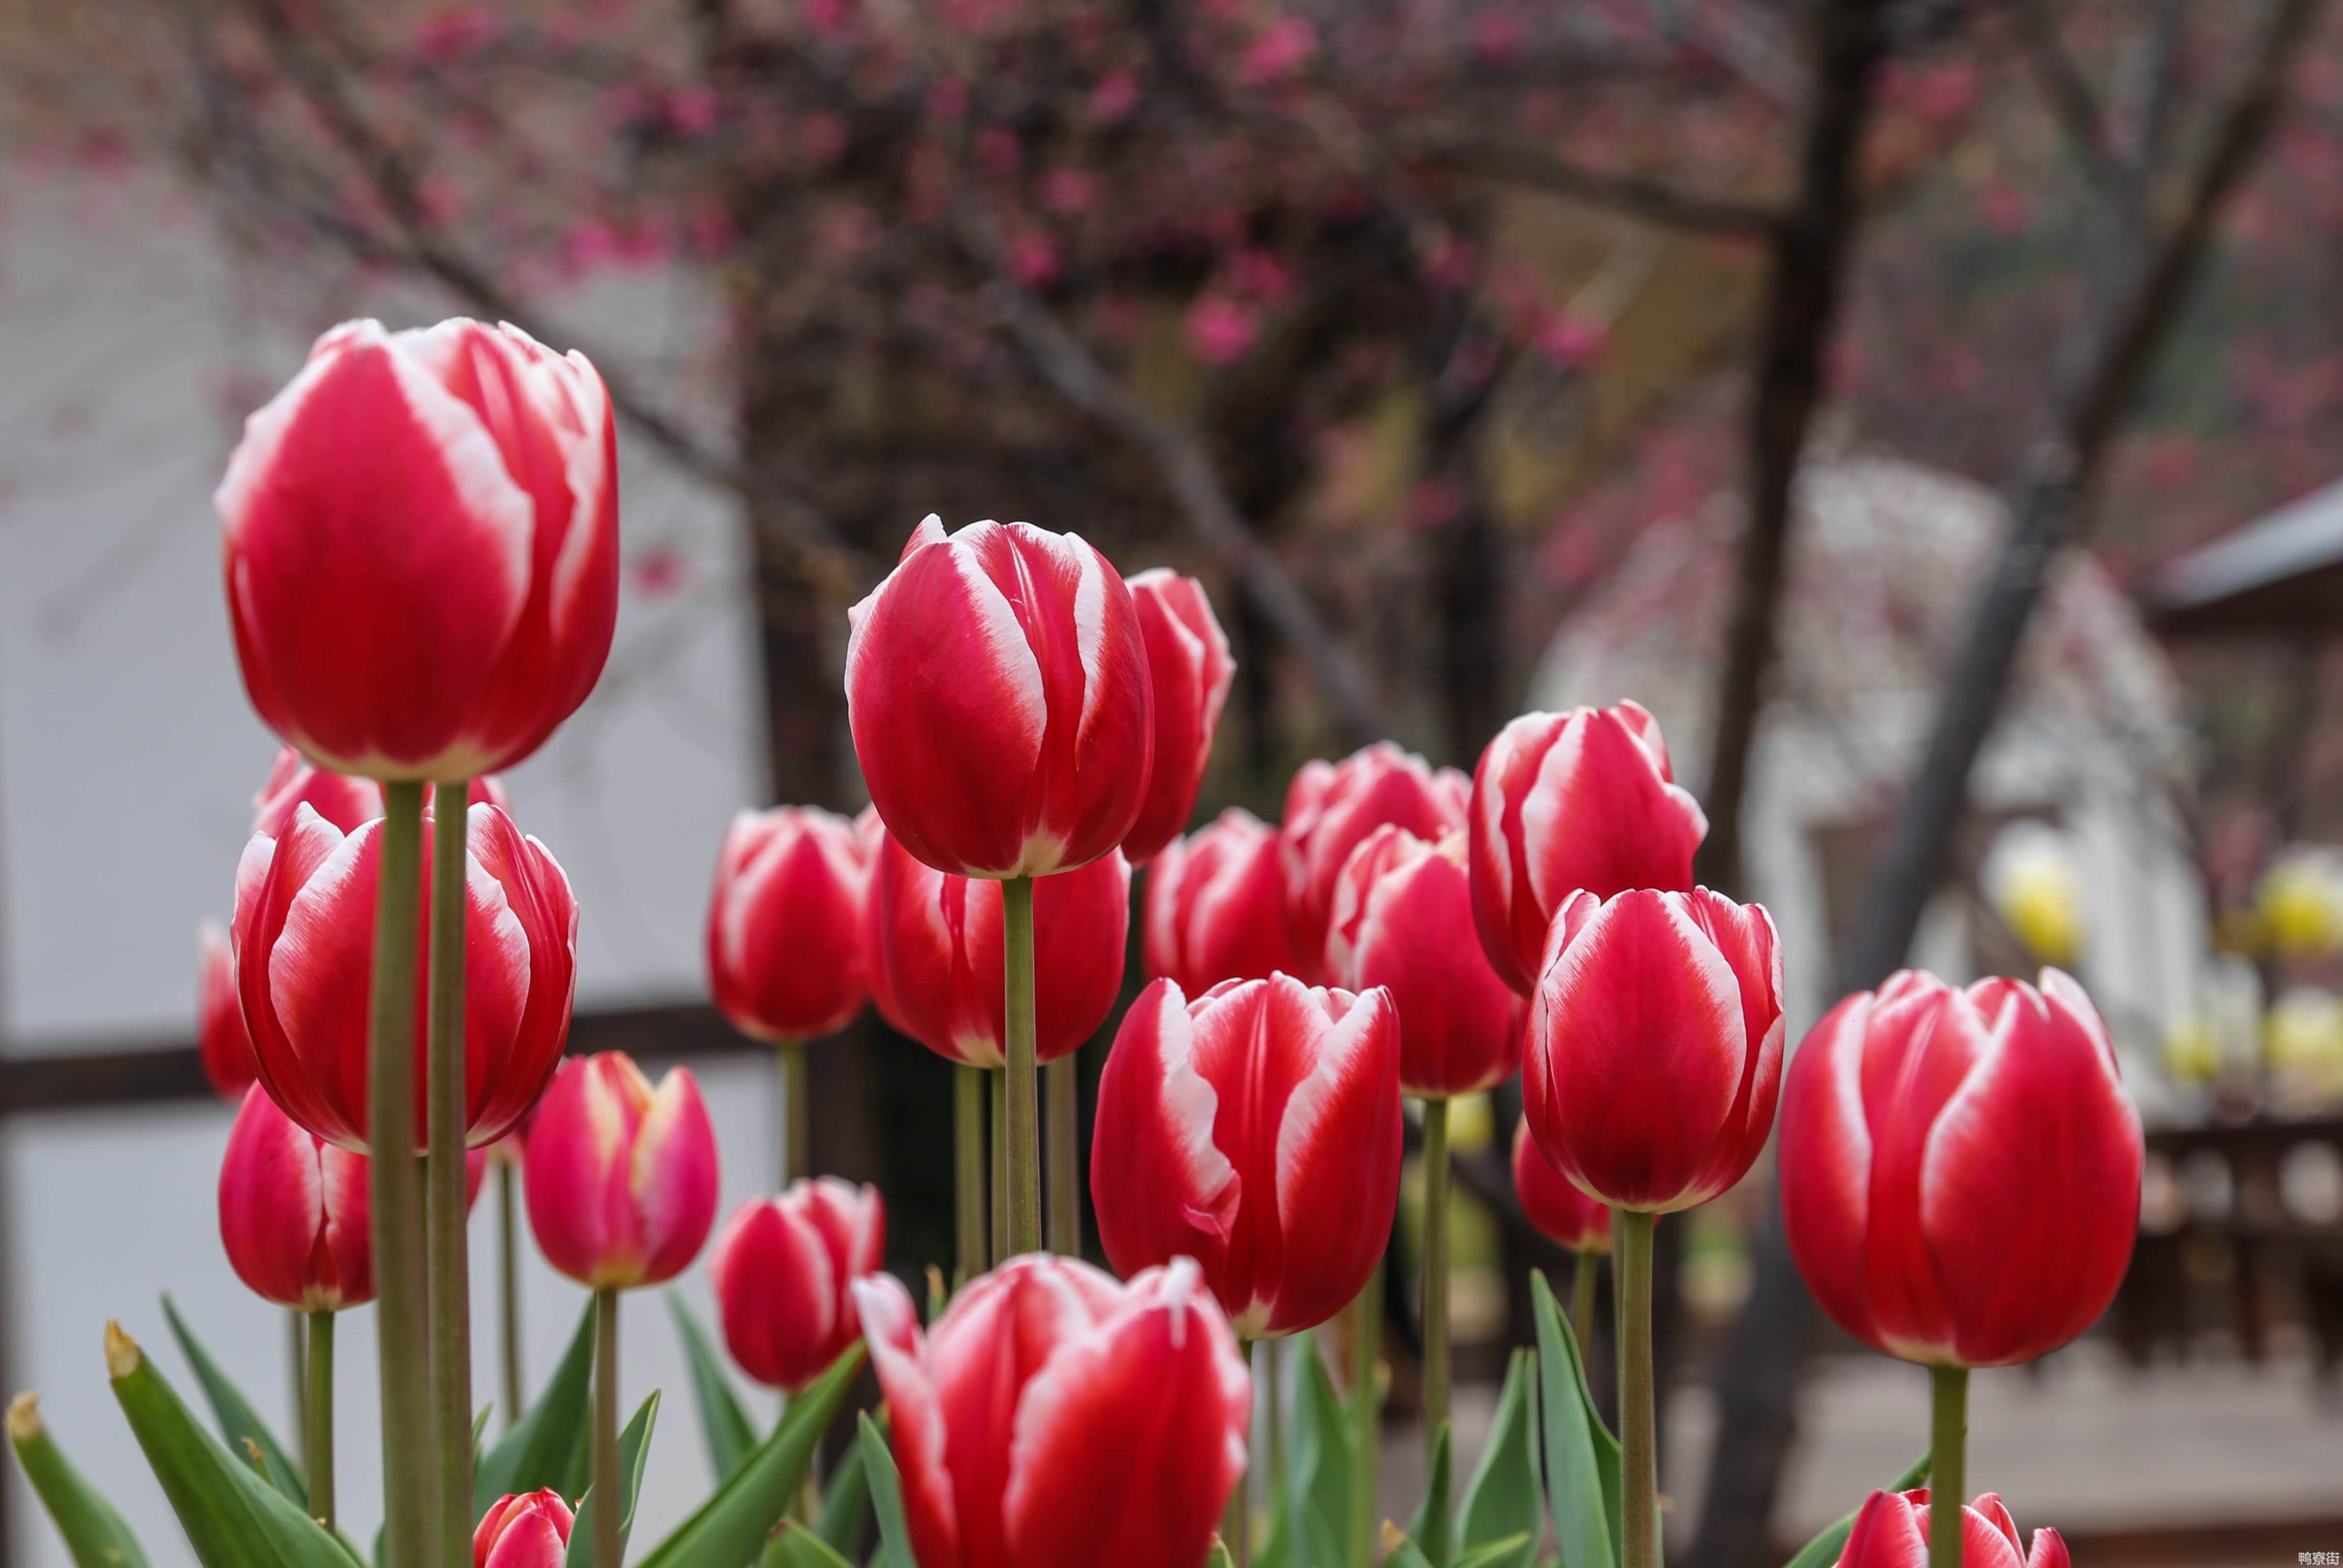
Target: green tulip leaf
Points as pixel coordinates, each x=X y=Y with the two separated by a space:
x=1824 y=1550
x=96 y=1536
x=546 y=1448
x=732 y=1525
x=1502 y=1502
x=240 y=1425
x=886 y=1498
x=1432 y=1531
x=233 y=1519
x=846 y=1506
x=1581 y=1458
x=634 y=1448
x=1402 y=1552
x=798 y=1547
x=1513 y=1549
x=1326 y=1460
x=724 y=1425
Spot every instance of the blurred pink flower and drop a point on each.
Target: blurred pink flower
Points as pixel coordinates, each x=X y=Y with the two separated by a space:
x=1115 y=96
x=1220 y=329
x=1282 y=50
x=1068 y=190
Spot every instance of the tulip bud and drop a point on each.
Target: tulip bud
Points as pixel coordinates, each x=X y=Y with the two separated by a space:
x=1330 y=807
x=621 y=1177
x=785 y=924
x=348 y=803
x=304 y=908
x=431 y=600
x=1655 y=1048
x=1402 y=920
x=1025 y=1420
x=1569 y=801
x=1562 y=1214
x=220 y=1038
x=1189 y=670
x=996 y=687
x=936 y=960
x=1960 y=1170
x=784 y=1270
x=532 y=1531
x=1890 y=1531
x=1216 y=906
x=1257 y=1131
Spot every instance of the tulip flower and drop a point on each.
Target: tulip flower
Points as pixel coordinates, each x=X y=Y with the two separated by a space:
x=1216 y=906
x=936 y=962
x=532 y=1531
x=1330 y=807
x=293 y=1212
x=221 y=1041
x=1257 y=1131
x=304 y=933
x=1189 y=667
x=1565 y=802
x=420 y=540
x=1051 y=1418
x=1654 y=1058
x=348 y=802
x=1568 y=1218
x=1892 y=1530
x=996 y=687
x=784 y=1270
x=621 y=1177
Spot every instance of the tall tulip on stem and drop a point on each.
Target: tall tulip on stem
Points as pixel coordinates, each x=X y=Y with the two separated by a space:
x=1653 y=1059
x=997 y=687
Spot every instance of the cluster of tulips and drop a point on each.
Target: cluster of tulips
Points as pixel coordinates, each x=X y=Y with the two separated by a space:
x=420 y=548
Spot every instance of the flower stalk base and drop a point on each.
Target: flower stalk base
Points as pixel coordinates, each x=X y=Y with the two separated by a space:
x=1638 y=1436
x=1948 y=1433
x=448 y=1202
x=408 y=1482
x=1024 y=1156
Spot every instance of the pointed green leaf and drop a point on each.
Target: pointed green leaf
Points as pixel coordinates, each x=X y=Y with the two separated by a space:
x=1824 y=1550
x=1502 y=1499
x=1217 y=1558
x=724 y=1425
x=732 y=1525
x=547 y=1447
x=1582 y=1470
x=1325 y=1459
x=239 y=1423
x=232 y=1518
x=1434 y=1529
x=96 y=1536
x=1522 y=1548
x=846 y=1506
x=798 y=1547
x=1402 y=1552
x=634 y=1448
x=886 y=1498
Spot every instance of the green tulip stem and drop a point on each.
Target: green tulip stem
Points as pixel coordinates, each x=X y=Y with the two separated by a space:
x=409 y=1480
x=317 y=1419
x=508 y=1282
x=998 y=1162
x=296 y=1349
x=1272 y=1385
x=449 y=1203
x=1062 y=1090
x=1366 y=1414
x=1024 y=1109
x=604 y=1487
x=1436 y=1207
x=1948 y=1425
x=1639 y=1470
x=968 y=1150
x=797 y=1094
x=1583 y=1282
x=1236 y=1521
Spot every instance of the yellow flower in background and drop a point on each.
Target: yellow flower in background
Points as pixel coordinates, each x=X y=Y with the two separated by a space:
x=2192 y=1050
x=2030 y=881
x=2303 y=1034
x=1472 y=1122
x=2299 y=903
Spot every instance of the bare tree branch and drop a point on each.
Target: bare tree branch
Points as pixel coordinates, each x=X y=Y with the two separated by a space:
x=2071 y=98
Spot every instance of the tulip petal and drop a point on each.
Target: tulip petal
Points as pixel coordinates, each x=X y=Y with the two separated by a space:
x=1161 y=1186
x=1889 y=1532
x=921 y=1442
x=1337 y=1151
x=1825 y=1164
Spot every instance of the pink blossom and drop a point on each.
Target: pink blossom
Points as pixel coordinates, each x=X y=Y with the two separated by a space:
x=1280 y=51
x=1221 y=330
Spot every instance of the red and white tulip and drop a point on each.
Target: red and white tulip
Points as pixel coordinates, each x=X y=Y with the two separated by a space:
x=221 y=1041
x=1890 y=1531
x=531 y=1531
x=1561 y=1212
x=784 y=949
x=1216 y=906
x=784 y=1271
x=1189 y=670
x=1331 y=806
x=620 y=1176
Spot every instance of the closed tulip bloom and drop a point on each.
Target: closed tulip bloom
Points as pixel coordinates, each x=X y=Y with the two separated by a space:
x=347 y=802
x=997 y=685
x=221 y=1041
x=1189 y=667
x=1960 y=1168
x=936 y=954
x=303 y=934
x=1890 y=1531
x=532 y=1531
x=1562 y=1214
x=620 y=1176
x=1216 y=906
x=420 y=540
x=294 y=1213
x=1654 y=1049
x=1051 y=1418
x=784 y=1271
x=1330 y=807
x=1564 y=802
x=785 y=924
x=1257 y=1131
x=1402 y=920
